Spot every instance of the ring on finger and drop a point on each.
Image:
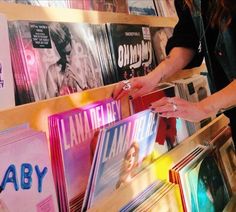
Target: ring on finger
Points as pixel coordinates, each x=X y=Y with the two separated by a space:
x=127 y=85
x=174 y=107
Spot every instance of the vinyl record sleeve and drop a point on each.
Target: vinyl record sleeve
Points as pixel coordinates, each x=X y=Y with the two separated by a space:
x=116 y=144
x=131 y=49
x=73 y=142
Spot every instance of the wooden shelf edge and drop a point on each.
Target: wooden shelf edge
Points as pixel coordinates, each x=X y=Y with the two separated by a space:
x=36 y=13
x=36 y=113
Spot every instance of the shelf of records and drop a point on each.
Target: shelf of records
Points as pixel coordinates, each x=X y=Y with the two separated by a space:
x=68 y=146
x=45 y=59
x=91 y=158
x=136 y=7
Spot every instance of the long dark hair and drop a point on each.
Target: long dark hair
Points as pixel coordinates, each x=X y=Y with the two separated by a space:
x=221 y=11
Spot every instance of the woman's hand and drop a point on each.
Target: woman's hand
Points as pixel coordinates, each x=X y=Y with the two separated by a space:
x=178 y=58
x=134 y=87
x=180 y=108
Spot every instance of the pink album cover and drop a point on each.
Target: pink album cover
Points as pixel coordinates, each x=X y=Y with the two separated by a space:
x=53 y=58
x=26 y=176
x=73 y=143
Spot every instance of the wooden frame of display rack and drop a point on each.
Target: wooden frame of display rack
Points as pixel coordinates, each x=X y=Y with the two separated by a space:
x=36 y=113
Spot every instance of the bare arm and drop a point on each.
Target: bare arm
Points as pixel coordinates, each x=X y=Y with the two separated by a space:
x=195 y=112
x=221 y=100
x=178 y=58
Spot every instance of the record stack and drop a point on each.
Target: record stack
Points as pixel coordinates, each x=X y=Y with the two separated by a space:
x=226 y=157
x=201 y=182
x=123 y=150
x=194 y=89
x=26 y=174
x=52 y=59
x=73 y=143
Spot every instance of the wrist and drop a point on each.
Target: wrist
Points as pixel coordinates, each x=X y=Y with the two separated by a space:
x=157 y=75
x=207 y=108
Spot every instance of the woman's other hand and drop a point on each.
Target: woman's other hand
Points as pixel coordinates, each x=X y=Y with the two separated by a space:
x=180 y=108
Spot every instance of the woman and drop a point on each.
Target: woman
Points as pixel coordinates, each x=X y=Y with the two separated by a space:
x=129 y=166
x=205 y=28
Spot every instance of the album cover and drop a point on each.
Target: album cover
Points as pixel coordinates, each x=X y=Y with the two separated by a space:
x=206 y=186
x=107 y=5
x=11 y=130
x=131 y=49
x=6 y=76
x=53 y=58
x=120 y=154
x=160 y=36
x=146 y=7
x=102 y=42
x=173 y=177
x=73 y=142
x=166 y=8
x=226 y=157
x=26 y=174
x=180 y=167
x=181 y=170
x=167 y=134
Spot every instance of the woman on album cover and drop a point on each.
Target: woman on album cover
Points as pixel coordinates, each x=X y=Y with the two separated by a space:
x=211 y=190
x=129 y=166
